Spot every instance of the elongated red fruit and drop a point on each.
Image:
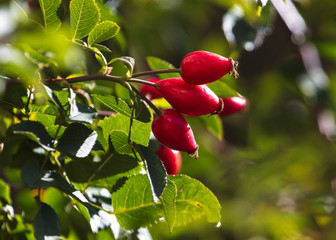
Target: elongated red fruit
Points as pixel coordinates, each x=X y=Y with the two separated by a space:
x=201 y=67
x=233 y=105
x=171 y=159
x=150 y=92
x=173 y=131
x=189 y=99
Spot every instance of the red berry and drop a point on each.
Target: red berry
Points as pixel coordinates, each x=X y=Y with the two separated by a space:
x=201 y=67
x=233 y=105
x=171 y=159
x=173 y=131
x=189 y=99
x=150 y=92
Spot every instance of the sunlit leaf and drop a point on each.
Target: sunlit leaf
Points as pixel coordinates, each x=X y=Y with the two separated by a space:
x=133 y=203
x=159 y=64
x=221 y=89
x=102 y=32
x=194 y=201
x=119 y=141
x=49 y=10
x=5 y=192
x=168 y=200
x=140 y=133
x=84 y=16
x=214 y=124
x=114 y=103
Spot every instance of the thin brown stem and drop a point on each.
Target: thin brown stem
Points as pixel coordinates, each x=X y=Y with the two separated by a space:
x=87 y=78
x=156 y=110
x=173 y=70
x=142 y=82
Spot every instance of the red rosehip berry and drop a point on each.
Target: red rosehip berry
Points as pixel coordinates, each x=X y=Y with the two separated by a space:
x=201 y=67
x=173 y=131
x=189 y=99
x=150 y=92
x=171 y=159
x=233 y=105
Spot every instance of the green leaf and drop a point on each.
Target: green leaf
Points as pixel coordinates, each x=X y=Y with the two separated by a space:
x=221 y=89
x=35 y=56
x=84 y=16
x=105 y=51
x=214 y=124
x=31 y=173
x=46 y=223
x=133 y=203
x=156 y=172
x=54 y=98
x=110 y=169
x=102 y=32
x=77 y=140
x=56 y=131
x=194 y=201
x=142 y=112
x=114 y=103
x=45 y=119
x=36 y=131
x=158 y=64
x=81 y=113
x=119 y=141
x=5 y=192
x=49 y=10
x=168 y=200
x=140 y=131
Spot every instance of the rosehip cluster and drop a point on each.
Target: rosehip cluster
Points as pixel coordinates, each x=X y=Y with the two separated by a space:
x=190 y=96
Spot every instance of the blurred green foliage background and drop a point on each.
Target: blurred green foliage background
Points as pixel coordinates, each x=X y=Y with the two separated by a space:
x=273 y=170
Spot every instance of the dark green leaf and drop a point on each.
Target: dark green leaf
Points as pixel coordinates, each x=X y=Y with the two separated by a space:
x=77 y=140
x=13 y=96
x=142 y=112
x=54 y=179
x=81 y=113
x=31 y=173
x=36 y=131
x=105 y=172
x=155 y=171
x=46 y=223
x=54 y=98
x=158 y=64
